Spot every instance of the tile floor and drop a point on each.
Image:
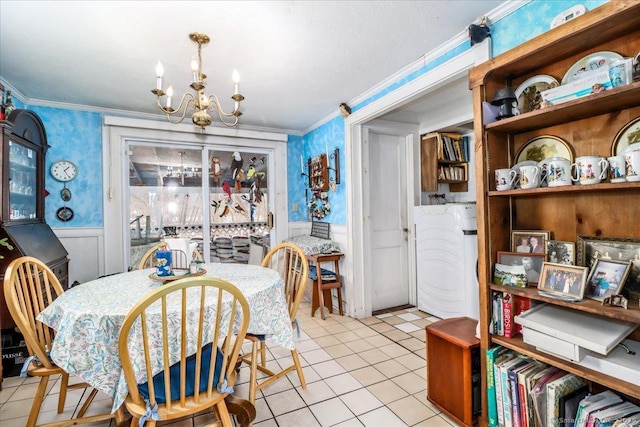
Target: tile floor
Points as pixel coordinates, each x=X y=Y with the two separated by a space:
x=368 y=372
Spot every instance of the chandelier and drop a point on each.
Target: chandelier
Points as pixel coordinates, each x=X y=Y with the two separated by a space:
x=199 y=103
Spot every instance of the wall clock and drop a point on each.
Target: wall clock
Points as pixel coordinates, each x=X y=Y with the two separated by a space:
x=64 y=170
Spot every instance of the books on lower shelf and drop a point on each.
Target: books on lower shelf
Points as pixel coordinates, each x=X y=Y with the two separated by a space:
x=524 y=392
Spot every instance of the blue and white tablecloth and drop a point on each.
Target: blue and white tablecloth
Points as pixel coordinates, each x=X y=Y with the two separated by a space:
x=88 y=318
x=311 y=245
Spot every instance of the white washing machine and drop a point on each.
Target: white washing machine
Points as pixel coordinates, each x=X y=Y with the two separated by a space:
x=446 y=259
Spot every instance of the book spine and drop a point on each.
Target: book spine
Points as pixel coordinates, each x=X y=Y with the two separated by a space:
x=522 y=395
x=506 y=398
x=522 y=304
x=492 y=409
x=499 y=404
x=515 y=398
x=507 y=312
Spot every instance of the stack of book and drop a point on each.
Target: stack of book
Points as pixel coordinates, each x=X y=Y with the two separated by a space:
x=505 y=307
x=524 y=392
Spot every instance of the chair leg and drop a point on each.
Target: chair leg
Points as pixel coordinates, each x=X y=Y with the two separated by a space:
x=87 y=402
x=37 y=401
x=296 y=361
x=321 y=298
x=64 y=385
x=253 y=377
x=263 y=354
x=222 y=412
x=339 y=291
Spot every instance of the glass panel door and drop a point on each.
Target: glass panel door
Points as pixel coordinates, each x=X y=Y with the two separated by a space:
x=223 y=209
x=22 y=181
x=239 y=203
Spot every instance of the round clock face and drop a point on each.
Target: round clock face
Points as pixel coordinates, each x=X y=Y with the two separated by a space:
x=64 y=170
x=64 y=214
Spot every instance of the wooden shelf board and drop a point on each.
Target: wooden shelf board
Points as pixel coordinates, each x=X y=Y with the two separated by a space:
x=520 y=346
x=577 y=188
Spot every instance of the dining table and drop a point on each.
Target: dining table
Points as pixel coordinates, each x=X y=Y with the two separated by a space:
x=87 y=319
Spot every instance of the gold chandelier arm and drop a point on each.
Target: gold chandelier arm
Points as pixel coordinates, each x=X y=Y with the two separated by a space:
x=213 y=100
x=170 y=112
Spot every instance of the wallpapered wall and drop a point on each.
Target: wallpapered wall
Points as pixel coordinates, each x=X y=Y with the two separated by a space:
x=77 y=135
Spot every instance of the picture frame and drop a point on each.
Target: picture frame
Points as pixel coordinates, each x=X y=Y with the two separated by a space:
x=518 y=242
x=566 y=282
x=532 y=264
x=606 y=278
x=591 y=248
x=510 y=275
x=561 y=252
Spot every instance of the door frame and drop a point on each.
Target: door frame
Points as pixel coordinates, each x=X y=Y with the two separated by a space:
x=119 y=131
x=358 y=225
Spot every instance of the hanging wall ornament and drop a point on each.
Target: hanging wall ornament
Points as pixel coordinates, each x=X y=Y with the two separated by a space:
x=319 y=205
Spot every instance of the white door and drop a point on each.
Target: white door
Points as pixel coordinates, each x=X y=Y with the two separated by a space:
x=387 y=191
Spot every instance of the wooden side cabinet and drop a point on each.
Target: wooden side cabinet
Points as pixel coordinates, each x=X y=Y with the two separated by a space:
x=453 y=368
x=444 y=160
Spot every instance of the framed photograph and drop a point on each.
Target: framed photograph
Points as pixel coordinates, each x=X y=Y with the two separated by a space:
x=532 y=264
x=529 y=241
x=509 y=275
x=561 y=252
x=606 y=278
x=567 y=282
x=589 y=249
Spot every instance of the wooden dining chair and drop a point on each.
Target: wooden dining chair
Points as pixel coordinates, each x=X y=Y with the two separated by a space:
x=290 y=261
x=178 y=258
x=195 y=363
x=29 y=287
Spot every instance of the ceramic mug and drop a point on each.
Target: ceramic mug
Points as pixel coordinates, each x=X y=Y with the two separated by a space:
x=505 y=179
x=589 y=169
x=529 y=177
x=633 y=166
x=558 y=171
x=621 y=72
x=517 y=167
x=617 y=168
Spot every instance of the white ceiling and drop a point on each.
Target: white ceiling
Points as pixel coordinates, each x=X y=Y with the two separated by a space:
x=298 y=60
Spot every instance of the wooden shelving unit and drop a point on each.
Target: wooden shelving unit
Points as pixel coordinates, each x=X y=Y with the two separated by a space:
x=589 y=125
x=444 y=160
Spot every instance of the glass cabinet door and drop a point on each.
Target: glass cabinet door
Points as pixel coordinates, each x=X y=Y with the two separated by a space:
x=22 y=182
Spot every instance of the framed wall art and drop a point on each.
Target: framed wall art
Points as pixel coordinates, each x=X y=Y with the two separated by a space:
x=606 y=278
x=561 y=252
x=589 y=249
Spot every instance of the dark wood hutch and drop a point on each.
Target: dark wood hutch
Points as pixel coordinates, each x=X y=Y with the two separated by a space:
x=23 y=230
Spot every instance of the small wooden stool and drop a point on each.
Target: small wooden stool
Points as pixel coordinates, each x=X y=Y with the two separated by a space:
x=321 y=289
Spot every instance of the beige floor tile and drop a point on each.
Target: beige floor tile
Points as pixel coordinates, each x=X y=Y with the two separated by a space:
x=368 y=375
x=370 y=320
x=316 y=356
x=379 y=341
x=268 y=423
x=393 y=320
x=391 y=368
x=300 y=417
x=409 y=316
x=331 y=412
x=339 y=350
x=343 y=383
x=327 y=369
x=317 y=332
x=396 y=335
x=410 y=410
x=282 y=384
x=352 y=362
x=421 y=335
x=411 y=361
x=5 y=393
x=381 y=417
x=262 y=411
x=410 y=382
x=394 y=350
x=365 y=332
x=347 y=336
x=374 y=356
x=361 y=401
x=422 y=322
x=310 y=376
x=336 y=329
x=307 y=345
x=382 y=327
x=435 y=421
x=359 y=345
x=317 y=392
x=327 y=341
x=284 y=402
x=387 y=391
x=408 y=327
x=353 y=422
x=413 y=344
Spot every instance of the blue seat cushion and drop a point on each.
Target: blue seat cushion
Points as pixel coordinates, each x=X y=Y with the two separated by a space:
x=174 y=373
x=326 y=274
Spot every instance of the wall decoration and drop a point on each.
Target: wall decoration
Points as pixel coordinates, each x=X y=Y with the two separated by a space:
x=319 y=205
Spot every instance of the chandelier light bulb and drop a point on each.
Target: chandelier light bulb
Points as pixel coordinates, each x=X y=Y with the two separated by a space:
x=169 y=95
x=159 y=74
x=194 y=68
x=236 y=80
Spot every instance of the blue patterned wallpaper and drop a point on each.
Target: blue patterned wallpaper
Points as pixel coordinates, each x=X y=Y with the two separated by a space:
x=77 y=135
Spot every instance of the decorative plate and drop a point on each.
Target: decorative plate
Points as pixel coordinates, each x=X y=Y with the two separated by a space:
x=528 y=93
x=178 y=273
x=629 y=135
x=590 y=62
x=541 y=147
x=65 y=214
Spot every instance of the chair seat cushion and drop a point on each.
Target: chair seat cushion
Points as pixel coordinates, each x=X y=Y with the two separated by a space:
x=326 y=274
x=174 y=373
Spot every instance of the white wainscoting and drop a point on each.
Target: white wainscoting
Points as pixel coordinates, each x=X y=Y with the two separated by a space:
x=86 y=252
